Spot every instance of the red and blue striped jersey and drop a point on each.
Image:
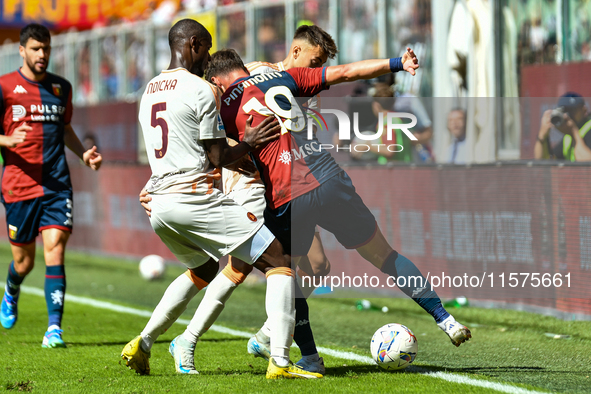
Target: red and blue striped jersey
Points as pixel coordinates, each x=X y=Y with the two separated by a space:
x=37 y=166
x=293 y=164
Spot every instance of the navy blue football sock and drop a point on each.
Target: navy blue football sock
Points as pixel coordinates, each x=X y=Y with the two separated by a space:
x=302 y=335
x=55 y=288
x=420 y=291
x=13 y=280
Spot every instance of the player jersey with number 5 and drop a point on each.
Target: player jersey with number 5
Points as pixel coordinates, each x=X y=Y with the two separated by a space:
x=174 y=136
x=292 y=165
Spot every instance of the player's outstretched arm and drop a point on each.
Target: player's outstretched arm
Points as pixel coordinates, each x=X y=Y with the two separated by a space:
x=221 y=154
x=368 y=69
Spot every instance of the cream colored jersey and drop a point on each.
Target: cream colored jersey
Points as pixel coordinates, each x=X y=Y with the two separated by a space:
x=233 y=181
x=255 y=68
x=178 y=112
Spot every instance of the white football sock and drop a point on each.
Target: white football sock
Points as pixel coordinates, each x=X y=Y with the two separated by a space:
x=212 y=304
x=171 y=306
x=264 y=334
x=280 y=307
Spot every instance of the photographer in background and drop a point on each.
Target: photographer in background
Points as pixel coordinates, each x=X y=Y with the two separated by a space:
x=572 y=118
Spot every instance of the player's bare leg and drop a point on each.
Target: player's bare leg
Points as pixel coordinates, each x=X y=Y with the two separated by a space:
x=213 y=302
x=279 y=301
x=280 y=307
x=24 y=258
x=172 y=304
x=54 y=250
x=22 y=263
x=379 y=252
x=181 y=349
x=175 y=300
x=315 y=264
x=218 y=292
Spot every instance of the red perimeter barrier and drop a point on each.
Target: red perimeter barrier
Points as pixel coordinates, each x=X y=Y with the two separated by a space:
x=455 y=221
x=108 y=217
x=487 y=222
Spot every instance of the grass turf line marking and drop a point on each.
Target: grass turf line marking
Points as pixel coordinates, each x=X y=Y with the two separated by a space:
x=504 y=388
x=454 y=378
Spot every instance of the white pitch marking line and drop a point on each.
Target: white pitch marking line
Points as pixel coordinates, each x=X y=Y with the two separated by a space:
x=454 y=378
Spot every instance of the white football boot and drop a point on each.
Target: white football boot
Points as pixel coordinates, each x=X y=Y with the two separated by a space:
x=457 y=332
x=258 y=349
x=183 y=353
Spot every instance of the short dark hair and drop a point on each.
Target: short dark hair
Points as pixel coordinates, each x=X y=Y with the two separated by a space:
x=223 y=62
x=315 y=36
x=36 y=32
x=185 y=29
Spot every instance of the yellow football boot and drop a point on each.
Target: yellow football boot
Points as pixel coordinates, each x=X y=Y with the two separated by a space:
x=289 y=372
x=135 y=358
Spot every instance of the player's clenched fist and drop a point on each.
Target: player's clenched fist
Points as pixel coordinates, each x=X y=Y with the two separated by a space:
x=92 y=158
x=18 y=136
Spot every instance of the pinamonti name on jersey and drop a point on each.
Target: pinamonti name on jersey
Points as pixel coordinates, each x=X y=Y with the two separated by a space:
x=293 y=164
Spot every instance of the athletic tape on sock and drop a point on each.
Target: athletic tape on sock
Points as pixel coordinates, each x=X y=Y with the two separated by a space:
x=280 y=271
x=197 y=281
x=233 y=274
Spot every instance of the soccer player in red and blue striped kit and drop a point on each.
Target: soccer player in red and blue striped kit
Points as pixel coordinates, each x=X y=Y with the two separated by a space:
x=305 y=187
x=36 y=109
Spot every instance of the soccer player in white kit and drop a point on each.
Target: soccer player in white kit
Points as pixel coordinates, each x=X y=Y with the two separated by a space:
x=199 y=224
x=311 y=47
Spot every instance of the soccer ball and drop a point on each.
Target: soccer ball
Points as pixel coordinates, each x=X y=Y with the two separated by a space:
x=394 y=347
x=152 y=267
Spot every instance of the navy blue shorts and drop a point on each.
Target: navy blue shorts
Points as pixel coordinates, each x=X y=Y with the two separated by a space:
x=334 y=205
x=25 y=219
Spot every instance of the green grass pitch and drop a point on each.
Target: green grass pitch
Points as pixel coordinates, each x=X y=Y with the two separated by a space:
x=510 y=351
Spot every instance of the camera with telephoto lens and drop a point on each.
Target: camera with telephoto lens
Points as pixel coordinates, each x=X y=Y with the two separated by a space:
x=557 y=116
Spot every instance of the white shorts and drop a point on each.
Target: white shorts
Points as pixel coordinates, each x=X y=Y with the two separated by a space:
x=252 y=199
x=197 y=227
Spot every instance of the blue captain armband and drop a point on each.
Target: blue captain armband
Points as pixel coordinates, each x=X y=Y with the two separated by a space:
x=396 y=64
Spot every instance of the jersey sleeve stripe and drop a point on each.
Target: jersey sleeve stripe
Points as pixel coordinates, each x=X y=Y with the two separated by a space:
x=254 y=65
